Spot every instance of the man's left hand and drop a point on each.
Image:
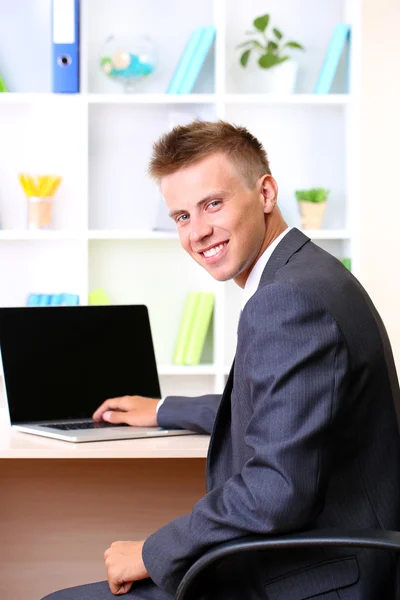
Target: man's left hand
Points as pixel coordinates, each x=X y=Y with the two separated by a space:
x=124 y=565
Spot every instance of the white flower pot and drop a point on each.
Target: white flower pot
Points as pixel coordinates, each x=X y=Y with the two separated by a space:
x=280 y=79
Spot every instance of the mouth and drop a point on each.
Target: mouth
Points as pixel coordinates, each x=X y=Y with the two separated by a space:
x=215 y=253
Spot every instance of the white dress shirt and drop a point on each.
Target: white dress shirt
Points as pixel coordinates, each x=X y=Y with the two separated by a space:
x=254 y=277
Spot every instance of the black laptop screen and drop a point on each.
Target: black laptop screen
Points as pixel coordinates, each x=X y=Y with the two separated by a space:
x=63 y=362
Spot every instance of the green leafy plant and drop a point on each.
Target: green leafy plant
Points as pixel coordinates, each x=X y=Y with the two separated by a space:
x=271 y=48
x=315 y=195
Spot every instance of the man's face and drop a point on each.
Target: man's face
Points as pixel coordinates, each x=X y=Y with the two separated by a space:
x=221 y=223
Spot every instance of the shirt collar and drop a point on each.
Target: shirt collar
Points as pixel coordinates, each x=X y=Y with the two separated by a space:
x=254 y=277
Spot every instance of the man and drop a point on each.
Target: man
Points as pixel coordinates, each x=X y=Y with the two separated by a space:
x=305 y=435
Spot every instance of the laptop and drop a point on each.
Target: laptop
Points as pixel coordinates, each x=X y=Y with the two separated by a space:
x=61 y=362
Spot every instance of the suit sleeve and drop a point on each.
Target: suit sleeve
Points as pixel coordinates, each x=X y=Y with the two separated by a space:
x=196 y=414
x=295 y=366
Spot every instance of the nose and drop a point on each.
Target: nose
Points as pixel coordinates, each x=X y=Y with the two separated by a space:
x=199 y=229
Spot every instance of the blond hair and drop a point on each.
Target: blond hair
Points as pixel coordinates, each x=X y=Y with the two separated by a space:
x=185 y=145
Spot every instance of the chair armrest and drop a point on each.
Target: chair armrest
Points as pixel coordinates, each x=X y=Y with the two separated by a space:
x=367 y=538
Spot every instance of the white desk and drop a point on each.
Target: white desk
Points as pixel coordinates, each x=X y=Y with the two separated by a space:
x=62 y=504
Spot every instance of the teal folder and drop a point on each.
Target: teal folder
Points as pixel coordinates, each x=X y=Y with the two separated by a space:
x=327 y=74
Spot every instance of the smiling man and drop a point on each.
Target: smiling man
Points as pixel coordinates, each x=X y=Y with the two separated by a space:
x=304 y=435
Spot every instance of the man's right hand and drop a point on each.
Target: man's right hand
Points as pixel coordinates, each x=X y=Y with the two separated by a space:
x=132 y=410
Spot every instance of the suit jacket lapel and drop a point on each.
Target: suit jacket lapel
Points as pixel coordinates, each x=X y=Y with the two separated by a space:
x=223 y=418
x=291 y=243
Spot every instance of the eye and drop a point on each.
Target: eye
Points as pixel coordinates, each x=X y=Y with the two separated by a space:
x=182 y=218
x=214 y=203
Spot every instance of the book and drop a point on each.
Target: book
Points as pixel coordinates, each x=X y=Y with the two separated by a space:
x=3 y=87
x=199 y=328
x=184 y=61
x=341 y=34
x=192 y=60
x=185 y=327
x=197 y=61
x=346 y=262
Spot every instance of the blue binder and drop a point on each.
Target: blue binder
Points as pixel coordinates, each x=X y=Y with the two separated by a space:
x=65 y=46
x=326 y=76
x=197 y=61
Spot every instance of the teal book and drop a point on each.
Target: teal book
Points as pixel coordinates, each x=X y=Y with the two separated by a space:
x=197 y=61
x=185 y=60
x=33 y=300
x=44 y=300
x=69 y=299
x=185 y=327
x=199 y=328
x=340 y=36
x=55 y=300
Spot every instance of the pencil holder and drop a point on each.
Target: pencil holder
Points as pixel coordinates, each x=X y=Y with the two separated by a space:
x=40 y=196
x=39 y=212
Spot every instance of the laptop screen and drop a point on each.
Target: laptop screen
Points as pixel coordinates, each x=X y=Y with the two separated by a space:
x=63 y=362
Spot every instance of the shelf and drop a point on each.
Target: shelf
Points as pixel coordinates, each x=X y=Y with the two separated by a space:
x=187 y=370
x=17 y=235
x=151 y=98
x=323 y=99
x=327 y=234
x=84 y=99
x=121 y=234
x=269 y=99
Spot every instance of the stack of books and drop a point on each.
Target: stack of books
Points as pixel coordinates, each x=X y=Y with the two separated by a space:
x=53 y=300
x=192 y=60
x=195 y=322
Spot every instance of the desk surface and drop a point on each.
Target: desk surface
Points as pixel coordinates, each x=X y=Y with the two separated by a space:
x=15 y=444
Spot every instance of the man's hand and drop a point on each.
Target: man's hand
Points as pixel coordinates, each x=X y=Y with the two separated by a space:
x=133 y=410
x=124 y=565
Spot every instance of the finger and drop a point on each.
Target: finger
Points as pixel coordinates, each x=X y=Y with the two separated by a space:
x=111 y=404
x=115 y=417
x=125 y=587
x=119 y=587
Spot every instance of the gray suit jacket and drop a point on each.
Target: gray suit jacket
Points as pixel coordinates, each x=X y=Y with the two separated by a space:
x=305 y=436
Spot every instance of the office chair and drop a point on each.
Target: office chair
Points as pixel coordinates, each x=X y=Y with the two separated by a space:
x=368 y=538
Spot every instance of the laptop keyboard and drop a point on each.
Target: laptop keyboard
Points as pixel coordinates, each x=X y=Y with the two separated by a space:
x=83 y=425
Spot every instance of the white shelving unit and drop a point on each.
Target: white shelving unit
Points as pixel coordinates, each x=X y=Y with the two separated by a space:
x=100 y=142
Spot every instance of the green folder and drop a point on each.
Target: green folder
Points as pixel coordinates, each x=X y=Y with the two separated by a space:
x=185 y=327
x=199 y=328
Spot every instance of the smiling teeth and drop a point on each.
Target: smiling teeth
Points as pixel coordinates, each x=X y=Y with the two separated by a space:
x=213 y=251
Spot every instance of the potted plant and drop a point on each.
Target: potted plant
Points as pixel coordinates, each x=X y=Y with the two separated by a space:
x=312 y=204
x=272 y=56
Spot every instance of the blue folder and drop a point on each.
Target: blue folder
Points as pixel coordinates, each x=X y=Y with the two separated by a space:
x=327 y=74
x=65 y=46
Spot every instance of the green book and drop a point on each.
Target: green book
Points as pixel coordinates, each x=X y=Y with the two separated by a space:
x=3 y=87
x=185 y=327
x=199 y=328
x=346 y=262
x=98 y=297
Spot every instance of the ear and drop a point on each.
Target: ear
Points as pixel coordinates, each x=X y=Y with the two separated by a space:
x=269 y=193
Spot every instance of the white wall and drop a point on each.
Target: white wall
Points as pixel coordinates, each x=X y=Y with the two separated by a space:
x=380 y=162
